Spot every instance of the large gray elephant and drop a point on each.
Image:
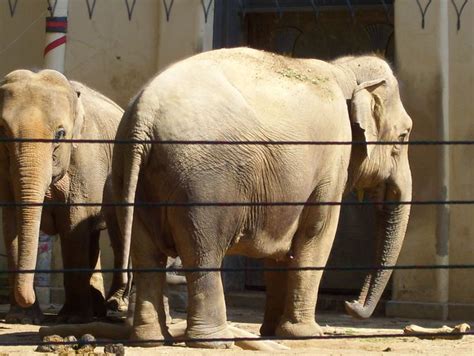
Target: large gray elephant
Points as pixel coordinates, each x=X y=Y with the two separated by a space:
x=249 y=95
x=45 y=105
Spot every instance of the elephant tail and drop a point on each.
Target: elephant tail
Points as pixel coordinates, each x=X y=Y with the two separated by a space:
x=128 y=160
x=132 y=165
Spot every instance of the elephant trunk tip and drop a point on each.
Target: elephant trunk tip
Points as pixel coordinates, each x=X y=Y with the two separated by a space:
x=357 y=310
x=25 y=297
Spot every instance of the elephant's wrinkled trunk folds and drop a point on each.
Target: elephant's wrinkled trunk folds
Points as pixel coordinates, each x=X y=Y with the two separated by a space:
x=392 y=222
x=32 y=175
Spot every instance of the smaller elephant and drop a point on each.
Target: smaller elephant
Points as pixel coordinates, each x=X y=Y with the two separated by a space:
x=45 y=105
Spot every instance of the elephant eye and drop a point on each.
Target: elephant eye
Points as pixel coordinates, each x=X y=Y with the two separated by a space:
x=60 y=134
x=398 y=147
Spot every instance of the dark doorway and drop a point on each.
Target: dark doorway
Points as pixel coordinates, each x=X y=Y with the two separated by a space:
x=296 y=29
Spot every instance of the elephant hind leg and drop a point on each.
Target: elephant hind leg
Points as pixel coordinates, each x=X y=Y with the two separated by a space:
x=149 y=320
x=117 y=299
x=206 y=310
x=275 y=288
x=203 y=248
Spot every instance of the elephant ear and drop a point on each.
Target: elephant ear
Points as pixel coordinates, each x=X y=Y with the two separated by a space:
x=79 y=114
x=364 y=112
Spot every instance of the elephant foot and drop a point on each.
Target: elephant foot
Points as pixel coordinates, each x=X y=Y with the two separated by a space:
x=30 y=315
x=223 y=333
x=73 y=319
x=268 y=329
x=289 y=329
x=118 y=301
x=99 y=306
x=68 y=316
x=148 y=333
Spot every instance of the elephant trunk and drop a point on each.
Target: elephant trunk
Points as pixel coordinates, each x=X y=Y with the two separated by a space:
x=392 y=222
x=32 y=176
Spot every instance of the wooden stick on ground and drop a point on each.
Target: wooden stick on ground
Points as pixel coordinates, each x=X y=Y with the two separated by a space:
x=98 y=329
x=432 y=333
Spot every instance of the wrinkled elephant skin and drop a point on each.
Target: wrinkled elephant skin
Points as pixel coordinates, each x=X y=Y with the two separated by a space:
x=248 y=95
x=45 y=105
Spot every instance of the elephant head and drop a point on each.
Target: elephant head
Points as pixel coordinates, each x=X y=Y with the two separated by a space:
x=40 y=105
x=377 y=114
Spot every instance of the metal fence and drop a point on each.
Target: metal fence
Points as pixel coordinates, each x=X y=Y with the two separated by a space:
x=238 y=204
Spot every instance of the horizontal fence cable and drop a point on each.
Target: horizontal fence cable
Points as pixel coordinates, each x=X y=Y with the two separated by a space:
x=235 y=204
x=236 y=143
x=242 y=269
x=227 y=204
x=239 y=204
x=230 y=339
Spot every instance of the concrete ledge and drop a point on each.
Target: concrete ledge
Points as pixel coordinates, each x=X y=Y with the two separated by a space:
x=460 y=311
x=419 y=310
x=427 y=310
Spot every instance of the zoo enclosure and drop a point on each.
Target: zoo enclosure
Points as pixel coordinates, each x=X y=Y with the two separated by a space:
x=433 y=60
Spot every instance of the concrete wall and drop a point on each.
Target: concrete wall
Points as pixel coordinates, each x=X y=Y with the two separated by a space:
x=186 y=32
x=435 y=66
x=114 y=55
x=108 y=52
x=461 y=115
x=22 y=36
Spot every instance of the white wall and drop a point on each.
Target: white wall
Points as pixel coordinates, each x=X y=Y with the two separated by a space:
x=436 y=68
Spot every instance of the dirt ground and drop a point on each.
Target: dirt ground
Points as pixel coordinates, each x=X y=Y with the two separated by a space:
x=250 y=319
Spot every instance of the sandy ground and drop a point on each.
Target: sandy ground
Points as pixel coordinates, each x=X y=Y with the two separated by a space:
x=250 y=319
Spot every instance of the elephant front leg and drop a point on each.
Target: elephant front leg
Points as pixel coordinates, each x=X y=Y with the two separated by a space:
x=311 y=247
x=96 y=283
x=275 y=289
x=81 y=299
x=16 y=314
